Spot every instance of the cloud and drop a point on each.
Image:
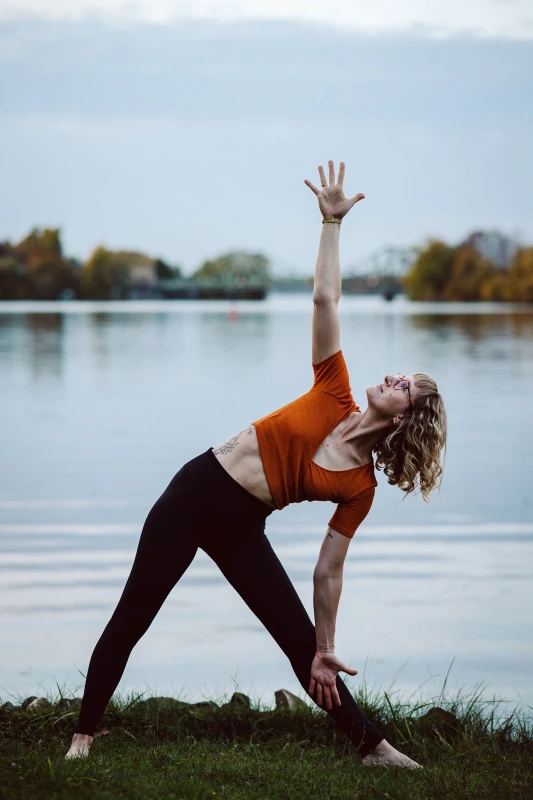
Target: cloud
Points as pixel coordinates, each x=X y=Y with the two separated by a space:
x=512 y=19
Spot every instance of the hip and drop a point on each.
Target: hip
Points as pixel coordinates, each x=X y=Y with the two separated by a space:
x=215 y=494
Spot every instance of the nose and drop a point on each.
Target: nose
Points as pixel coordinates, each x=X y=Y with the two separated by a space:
x=390 y=379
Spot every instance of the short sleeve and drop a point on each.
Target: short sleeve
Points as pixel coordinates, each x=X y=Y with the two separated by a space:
x=331 y=376
x=348 y=516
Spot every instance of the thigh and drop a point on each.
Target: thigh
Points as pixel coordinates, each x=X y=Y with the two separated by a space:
x=255 y=571
x=166 y=548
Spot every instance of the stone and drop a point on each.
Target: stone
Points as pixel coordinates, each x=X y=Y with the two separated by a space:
x=68 y=704
x=25 y=703
x=238 y=700
x=155 y=704
x=7 y=706
x=438 y=719
x=286 y=699
x=204 y=704
x=38 y=704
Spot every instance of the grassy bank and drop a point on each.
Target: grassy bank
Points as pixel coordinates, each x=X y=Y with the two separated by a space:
x=165 y=748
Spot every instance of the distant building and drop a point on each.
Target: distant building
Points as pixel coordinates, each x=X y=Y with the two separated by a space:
x=142 y=269
x=495 y=246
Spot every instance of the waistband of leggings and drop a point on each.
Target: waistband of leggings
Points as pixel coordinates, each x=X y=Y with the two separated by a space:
x=208 y=469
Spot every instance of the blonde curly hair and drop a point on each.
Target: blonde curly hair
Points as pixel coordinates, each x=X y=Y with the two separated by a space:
x=412 y=450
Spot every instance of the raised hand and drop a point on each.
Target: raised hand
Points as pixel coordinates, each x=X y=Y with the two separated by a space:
x=331 y=200
x=324 y=671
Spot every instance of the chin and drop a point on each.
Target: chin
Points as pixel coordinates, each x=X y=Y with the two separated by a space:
x=372 y=394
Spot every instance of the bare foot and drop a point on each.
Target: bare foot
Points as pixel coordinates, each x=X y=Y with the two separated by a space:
x=386 y=755
x=80 y=746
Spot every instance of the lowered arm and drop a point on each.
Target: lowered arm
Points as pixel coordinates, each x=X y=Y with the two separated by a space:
x=327 y=581
x=327 y=587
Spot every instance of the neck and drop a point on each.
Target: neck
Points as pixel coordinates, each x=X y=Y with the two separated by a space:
x=364 y=430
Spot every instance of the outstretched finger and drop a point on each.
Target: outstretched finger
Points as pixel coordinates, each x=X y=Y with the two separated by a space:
x=312 y=686
x=311 y=186
x=322 y=174
x=340 y=179
x=331 y=173
x=335 y=693
x=327 y=698
x=319 y=694
x=356 y=199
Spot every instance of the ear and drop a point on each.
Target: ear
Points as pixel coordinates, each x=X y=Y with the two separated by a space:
x=397 y=419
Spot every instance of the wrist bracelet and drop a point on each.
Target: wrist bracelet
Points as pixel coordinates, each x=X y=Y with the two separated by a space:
x=337 y=221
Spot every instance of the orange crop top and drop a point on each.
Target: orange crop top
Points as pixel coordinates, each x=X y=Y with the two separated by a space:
x=289 y=437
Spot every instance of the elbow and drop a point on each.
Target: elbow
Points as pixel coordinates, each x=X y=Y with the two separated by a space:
x=324 y=299
x=325 y=574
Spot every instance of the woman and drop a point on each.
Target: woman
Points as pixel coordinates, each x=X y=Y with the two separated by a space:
x=320 y=447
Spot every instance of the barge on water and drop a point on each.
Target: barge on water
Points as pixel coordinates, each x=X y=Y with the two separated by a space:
x=195 y=291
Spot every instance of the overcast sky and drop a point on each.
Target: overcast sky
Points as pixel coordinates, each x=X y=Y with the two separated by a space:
x=182 y=136
x=493 y=18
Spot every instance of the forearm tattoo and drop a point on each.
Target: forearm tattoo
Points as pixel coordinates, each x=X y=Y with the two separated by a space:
x=231 y=444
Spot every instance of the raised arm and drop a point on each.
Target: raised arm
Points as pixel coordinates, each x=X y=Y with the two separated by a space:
x=326 y=338
x=327 y=285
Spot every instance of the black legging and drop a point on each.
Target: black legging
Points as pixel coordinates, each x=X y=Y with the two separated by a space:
x=203 y=506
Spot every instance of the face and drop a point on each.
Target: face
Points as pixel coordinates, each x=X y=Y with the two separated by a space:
x=390 y=401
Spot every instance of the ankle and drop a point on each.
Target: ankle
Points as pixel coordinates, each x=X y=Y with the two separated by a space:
x=381 y=749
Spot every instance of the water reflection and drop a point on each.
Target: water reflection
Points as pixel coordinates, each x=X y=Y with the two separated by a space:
x=476 y=326
x=133 y=394
x=223 y=333
x=45 y=344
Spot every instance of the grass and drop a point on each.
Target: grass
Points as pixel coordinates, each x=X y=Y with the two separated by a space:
x=165 y=749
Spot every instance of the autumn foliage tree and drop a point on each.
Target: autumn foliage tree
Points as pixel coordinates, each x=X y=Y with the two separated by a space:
x=463 y=273
x=521 y=276
x=515 y=285
x=469 y=271
x=235 y=268
x=429 y=275
x=105 y=275
x=36 y=268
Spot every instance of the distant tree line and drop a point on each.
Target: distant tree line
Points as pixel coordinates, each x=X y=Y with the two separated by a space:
x=486 y=266
x=36 y=268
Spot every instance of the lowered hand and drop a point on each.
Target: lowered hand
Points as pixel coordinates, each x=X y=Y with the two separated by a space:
x=324 y=671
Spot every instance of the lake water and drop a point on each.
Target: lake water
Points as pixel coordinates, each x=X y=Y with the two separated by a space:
x=102 y=403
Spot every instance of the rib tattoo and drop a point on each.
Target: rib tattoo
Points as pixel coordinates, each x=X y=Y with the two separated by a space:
x=231 y=444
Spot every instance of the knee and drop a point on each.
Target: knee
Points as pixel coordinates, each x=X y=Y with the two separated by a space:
x=127 y=626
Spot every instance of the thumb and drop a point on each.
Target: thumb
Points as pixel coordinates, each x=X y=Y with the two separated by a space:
x=356 y=199
x=348 y=670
